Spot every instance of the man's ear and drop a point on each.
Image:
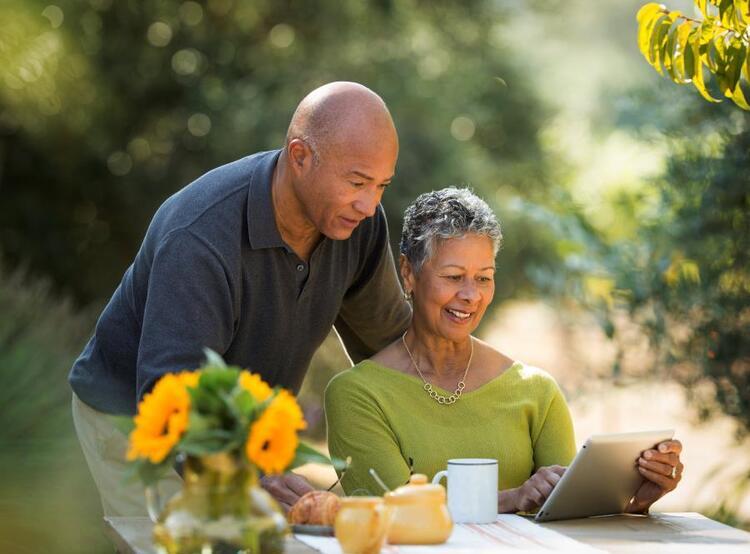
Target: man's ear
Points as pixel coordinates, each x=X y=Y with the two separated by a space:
x=300 y=156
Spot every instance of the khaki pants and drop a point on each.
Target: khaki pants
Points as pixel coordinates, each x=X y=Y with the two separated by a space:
x=104 y=447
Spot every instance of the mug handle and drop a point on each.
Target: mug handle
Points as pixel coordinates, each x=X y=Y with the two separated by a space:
x=438 y=476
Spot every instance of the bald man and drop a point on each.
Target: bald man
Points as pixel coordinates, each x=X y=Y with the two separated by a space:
x=256 y=260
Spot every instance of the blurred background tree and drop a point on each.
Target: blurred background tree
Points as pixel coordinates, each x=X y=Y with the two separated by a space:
x=106 y=108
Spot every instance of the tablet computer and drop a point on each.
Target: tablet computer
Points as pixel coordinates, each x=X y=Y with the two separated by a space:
x=602 y=478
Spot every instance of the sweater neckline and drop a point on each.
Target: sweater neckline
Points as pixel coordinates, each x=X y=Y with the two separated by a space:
x=515 y=367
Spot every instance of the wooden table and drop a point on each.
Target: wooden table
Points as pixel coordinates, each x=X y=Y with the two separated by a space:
x=665 y=533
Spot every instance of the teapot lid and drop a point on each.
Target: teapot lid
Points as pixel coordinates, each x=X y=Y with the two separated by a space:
x=419 y=489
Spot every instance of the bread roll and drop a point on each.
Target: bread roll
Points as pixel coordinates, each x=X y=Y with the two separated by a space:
x=315 y=508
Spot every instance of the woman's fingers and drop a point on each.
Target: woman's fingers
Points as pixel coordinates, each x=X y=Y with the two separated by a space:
x=669 y=458
x=530 y=498
x=559 y=470
x=665 y=482
x=670 y=446
x=658 y=467
x=538 y=488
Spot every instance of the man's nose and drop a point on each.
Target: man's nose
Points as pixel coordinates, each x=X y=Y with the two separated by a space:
x=367 y=202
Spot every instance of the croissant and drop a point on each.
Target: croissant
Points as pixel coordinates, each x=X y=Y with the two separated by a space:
x=315 y=508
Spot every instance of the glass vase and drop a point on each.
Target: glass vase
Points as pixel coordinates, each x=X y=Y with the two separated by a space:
x=221 y=509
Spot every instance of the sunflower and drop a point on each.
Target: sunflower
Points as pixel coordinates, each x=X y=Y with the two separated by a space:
x=256 y=386
x=273 y=441
x=162 y=417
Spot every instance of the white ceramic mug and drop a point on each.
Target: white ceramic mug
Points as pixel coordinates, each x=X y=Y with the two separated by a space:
x=472 y=489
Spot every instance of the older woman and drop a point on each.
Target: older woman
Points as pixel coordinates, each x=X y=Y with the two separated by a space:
x=439 y=393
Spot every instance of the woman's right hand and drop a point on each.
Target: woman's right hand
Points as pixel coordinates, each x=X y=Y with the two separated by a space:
x=532 y=493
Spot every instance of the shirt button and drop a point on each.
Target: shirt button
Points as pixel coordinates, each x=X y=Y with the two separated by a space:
x=300 y=267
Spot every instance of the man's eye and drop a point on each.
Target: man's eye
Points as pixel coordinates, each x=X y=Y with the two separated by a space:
x=485 y=279
x=453 y=277
x=357 y=184
x=384 y=185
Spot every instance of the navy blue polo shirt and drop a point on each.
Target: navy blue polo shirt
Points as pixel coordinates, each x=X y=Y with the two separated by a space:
x=213 y=271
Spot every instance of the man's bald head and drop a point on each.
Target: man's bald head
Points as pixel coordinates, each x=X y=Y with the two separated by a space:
x=340 y=113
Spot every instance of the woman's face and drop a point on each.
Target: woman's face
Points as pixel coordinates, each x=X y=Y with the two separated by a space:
x=454 y=287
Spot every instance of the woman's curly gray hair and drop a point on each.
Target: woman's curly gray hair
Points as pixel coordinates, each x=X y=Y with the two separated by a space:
x=443 y=214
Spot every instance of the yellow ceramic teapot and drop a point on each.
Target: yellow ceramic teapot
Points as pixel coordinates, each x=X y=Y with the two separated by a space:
x=419 y=514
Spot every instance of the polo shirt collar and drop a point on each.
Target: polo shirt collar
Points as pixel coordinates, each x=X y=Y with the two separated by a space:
x=261 y=223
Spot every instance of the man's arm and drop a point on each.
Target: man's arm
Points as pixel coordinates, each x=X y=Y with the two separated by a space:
x=374 y=312
x=188 y=307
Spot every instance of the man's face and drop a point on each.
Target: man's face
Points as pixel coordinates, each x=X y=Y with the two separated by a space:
x=347 y=183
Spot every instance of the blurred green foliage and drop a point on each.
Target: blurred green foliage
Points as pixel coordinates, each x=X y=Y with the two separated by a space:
x=106 y=108
x=49 y=503
x=675 y=259
x=688 y=271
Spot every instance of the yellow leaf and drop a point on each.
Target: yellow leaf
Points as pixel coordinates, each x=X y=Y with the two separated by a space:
x=648 y=10
x=659 y=40
x=741 y=14
x=738 y=96
x=681 y=269
x=600 y=288
x=679 y=52
x=702 y=6
x=647 y=17
x=698 y=82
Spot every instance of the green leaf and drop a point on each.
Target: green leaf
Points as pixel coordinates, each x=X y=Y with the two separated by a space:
x=199 y=423
x=214 y=359
x=243 y=403
x=735 y=57
x=306 y=454
x=205 y=400
x=689 y=60
x=208 y=441
x=714 y=58
x=218 y=379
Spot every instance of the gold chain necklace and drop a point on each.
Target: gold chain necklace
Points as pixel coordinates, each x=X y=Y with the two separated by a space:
x=439 y=398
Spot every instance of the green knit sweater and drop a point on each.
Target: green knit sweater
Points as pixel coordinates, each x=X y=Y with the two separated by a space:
x=382 y=418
